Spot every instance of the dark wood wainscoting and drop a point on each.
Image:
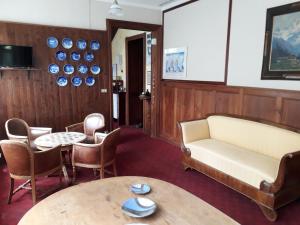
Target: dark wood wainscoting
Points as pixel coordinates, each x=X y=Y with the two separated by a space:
x=34 y=96
x=189 y=100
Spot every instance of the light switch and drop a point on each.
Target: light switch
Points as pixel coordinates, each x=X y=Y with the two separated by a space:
x=103 y=90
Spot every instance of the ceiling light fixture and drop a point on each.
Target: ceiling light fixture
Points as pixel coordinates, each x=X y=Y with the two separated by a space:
x=115 y=9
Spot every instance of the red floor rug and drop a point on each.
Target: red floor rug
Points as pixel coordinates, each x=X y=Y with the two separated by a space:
x=141 y=155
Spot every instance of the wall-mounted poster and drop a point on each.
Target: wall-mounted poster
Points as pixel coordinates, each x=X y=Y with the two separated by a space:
x=282 y=43
x=174 y=63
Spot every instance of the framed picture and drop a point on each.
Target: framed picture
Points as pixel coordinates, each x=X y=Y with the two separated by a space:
x=282 y=43
x=174 y=63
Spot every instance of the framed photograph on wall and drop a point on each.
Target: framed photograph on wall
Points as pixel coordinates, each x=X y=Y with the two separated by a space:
x=174 y=63
x=281 y=59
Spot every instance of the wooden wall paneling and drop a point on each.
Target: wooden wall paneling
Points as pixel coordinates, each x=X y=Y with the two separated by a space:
x=185 y=104
x=227 y=102
x=168 y=108
x=208 y=103
x=37 y=98
x=290 y=112
x=261 y=107
x=188 y=100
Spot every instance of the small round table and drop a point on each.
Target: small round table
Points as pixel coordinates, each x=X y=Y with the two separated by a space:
x=99 y=202
x=59 y=138
x=65 y=139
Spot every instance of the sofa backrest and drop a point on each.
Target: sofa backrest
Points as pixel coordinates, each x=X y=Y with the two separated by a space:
x=255 y=136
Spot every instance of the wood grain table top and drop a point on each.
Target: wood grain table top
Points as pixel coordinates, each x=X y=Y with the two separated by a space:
x=99 y=202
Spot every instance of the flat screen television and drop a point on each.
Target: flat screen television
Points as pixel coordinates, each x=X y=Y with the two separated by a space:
x=15 y=56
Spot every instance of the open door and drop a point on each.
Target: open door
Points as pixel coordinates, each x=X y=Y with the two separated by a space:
x=135 y=78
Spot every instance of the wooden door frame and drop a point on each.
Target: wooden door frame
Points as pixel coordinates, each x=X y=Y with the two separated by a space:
x=127 y=39
x=112 y=26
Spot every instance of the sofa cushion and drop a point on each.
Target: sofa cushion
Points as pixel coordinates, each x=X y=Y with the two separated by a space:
x=248 y=166
x=259 y=137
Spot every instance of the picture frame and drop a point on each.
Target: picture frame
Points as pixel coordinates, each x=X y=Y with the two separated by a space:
x=174 y=63
x=281 y=59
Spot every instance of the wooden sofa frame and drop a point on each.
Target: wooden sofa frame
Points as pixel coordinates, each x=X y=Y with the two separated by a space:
x=271 y=196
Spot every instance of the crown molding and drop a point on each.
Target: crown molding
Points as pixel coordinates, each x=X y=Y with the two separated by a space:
x=140 y=5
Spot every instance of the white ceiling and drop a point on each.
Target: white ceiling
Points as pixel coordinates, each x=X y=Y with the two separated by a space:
x=150 y=4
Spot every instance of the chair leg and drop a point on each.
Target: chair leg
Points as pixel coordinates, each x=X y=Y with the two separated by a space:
x=115 y=168
x=101 y=173
x=60 y=178
x=11 y=190
x=33 y=190
x=95 y=172
x=74 y=175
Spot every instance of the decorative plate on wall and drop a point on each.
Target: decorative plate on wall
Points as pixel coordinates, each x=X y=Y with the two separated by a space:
x=68 y=69
x=90 y=81
x=53 y=68
x=89 y=57
x=62 y=81
x=76 y=81
x=61 y=55
x=95 y=45
x=75 y=56
x=95 y=69
x=52 y=42
x=81 y=44
x=67 y=43
x=83 y=69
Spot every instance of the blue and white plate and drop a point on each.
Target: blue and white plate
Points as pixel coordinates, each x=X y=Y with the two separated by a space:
x=95 y=69
x=89 y=57
x=52 y=42
x=139 y=207
x=76 y=81
x=61 y=55
x=75 y=56
x=90 y=81
x=68 y=69
x=53 y=68
x=140 y=189
x=81 y=44
x=62 y=81
x=95 y=45
x=67 y=43
x=83 y=69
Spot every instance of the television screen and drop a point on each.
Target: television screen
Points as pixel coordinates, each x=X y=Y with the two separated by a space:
x=15 y=56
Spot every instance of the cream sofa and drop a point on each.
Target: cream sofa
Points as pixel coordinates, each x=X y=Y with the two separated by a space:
x=259 y=160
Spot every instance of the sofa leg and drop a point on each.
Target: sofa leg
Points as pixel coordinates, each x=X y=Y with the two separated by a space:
x=270 y=214
x=186 y=167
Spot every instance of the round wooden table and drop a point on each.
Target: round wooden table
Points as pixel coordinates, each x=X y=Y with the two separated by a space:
x=99 y=202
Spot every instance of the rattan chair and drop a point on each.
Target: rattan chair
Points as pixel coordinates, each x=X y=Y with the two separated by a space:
x=17 y=129
x=92 y=123
x=97 y=156
x=23 y=163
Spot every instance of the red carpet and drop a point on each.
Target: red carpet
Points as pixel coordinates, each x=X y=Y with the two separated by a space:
x=141 y=155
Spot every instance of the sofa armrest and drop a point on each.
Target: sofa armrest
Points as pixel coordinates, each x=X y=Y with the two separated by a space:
x=191 y=131
x=288 y=174
x=194 y=130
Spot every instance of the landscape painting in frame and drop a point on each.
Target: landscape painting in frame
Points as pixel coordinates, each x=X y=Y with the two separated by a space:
x=282 y=44
x=174 y=63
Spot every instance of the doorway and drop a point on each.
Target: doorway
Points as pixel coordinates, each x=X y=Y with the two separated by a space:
x=150 y=104
x=135 y=72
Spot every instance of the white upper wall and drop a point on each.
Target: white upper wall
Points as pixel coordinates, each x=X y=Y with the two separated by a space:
x=247 y=44
x=90 y=14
